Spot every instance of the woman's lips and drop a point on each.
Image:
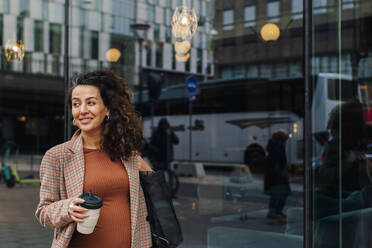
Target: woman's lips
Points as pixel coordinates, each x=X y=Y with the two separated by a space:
x=85 y=120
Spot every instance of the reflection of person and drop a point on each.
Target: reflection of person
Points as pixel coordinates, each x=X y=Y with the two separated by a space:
x=101 y=157
x=276 y=181
x=343 y=181
x=162 y=141
x=345 y=151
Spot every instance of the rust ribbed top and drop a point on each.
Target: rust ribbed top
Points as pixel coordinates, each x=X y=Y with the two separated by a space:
x=110 y=181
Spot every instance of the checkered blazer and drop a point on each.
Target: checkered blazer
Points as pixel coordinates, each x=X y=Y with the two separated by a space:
x=62 y=178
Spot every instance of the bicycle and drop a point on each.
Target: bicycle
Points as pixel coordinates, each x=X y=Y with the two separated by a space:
x=10 y=173
x=6 y=173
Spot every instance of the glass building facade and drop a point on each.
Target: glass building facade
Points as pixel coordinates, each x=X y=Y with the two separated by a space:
x=273 y=149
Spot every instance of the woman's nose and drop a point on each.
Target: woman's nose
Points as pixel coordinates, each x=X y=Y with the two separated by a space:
x=83 y=109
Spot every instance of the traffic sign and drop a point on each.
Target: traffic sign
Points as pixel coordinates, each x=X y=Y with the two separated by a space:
x=192 y=84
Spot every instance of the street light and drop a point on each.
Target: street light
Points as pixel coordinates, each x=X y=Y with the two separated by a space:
x=140 y=32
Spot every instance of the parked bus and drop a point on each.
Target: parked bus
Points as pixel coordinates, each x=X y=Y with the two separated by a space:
x=233 y=119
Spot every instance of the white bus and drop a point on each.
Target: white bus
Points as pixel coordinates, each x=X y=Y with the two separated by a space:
x=232 y=120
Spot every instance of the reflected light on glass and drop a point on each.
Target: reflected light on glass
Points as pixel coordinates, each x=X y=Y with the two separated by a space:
x=182 y=57
x=21 y=118
x=270 y=32
x=182 y=47
x=295 y=127
x=113 y=55
x=14 y=50
x=184 y=23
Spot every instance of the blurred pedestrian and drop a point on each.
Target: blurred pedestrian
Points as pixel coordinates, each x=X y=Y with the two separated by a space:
x=162 y=141
x=276 y=179
x=101 y=157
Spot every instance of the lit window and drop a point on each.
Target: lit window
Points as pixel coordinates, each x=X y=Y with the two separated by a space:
x=297 y=9
x=319 y=6
x=273 y=11
x=228 y=19
x=249 y=16
x=347 y=4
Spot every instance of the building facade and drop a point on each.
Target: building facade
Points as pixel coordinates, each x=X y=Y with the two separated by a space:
x=275 y=136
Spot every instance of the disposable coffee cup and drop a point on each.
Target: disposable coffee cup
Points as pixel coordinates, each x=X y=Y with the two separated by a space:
x=93 y=203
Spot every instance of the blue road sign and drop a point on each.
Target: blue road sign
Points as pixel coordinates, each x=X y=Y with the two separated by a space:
x=192 y=84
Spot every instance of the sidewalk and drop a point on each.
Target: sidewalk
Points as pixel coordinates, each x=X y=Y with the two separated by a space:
x=18 y=225
x=201 y=205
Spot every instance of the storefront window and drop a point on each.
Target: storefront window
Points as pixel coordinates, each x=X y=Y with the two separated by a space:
x=341 y=124
x=258 y=162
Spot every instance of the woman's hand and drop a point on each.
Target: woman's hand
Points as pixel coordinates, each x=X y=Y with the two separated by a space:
x=77 y=213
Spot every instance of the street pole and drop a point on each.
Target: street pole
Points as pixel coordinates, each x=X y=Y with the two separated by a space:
x=67 y=112
x=190 y=132
x=140 y=41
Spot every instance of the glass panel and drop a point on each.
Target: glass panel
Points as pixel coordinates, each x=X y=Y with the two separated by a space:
x=1 y=29
x=249 y=16
x=228 y=19
x=39 y=36
x=55 y=38
x=239 y=155
x=159 y=56
x=341 y=110
x=273 y=9
x=297 y=9
x=237 y=161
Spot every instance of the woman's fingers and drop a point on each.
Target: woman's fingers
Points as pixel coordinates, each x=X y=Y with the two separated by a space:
x=77 y=213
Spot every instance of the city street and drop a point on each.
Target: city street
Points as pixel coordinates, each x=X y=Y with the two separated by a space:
x=197 y=202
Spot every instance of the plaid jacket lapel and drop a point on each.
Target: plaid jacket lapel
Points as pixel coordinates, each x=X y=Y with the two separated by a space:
x=74 y=166
x=132 y=169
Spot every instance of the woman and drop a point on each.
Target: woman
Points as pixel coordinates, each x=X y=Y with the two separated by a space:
x=101 y=157
x=276 y=181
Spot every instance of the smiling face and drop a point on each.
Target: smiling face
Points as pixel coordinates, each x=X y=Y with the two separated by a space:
x=88 y=109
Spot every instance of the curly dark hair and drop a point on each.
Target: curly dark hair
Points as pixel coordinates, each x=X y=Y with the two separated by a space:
x=122 y=132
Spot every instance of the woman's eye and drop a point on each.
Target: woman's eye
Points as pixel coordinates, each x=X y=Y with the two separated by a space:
x=91 y=103
x=75 y=104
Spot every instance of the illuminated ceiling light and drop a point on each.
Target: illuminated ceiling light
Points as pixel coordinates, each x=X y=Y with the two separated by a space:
x=113 y=55
x=21 y=118
x=270 y=32
x=182 y=47
x=184 y=22
x=14 y=50
x=182 y=57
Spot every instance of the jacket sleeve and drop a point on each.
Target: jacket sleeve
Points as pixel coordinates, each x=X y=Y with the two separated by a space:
x=51 y=210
